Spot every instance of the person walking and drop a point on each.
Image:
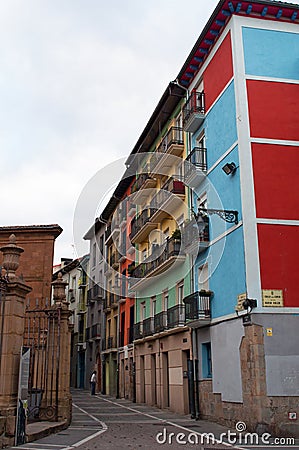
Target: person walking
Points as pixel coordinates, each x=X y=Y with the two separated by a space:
x=93 y=381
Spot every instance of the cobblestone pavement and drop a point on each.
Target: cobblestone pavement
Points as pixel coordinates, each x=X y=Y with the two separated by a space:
x=102 y=422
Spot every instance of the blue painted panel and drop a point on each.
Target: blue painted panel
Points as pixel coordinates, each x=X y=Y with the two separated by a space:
x=271 y=53
x=227 y=279
x=220 y=126
x=224 y=193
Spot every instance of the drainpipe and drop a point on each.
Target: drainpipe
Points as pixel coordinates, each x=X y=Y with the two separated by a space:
x=118 y=356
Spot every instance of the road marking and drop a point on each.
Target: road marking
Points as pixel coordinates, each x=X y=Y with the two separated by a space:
x=168 y=422
x=92 y=436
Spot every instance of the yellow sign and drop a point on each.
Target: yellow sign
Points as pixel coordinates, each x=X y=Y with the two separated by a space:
x=269 y=331
x=241 y=298
x=272 y=298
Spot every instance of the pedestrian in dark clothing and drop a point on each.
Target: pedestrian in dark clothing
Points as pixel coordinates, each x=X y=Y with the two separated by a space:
x=93 y=381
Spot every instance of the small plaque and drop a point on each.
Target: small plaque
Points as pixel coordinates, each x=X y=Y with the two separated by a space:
x=241 y=298
x=292 y=416
x=272 y=298
x=269 y=331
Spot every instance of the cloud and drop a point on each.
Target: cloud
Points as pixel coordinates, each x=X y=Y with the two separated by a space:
x=78 y=83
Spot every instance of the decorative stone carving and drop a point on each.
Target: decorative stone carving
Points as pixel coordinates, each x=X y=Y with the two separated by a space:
x=11 y=255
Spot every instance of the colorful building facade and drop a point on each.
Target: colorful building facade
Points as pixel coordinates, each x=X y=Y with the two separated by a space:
x=204 y=262
x=243 y=68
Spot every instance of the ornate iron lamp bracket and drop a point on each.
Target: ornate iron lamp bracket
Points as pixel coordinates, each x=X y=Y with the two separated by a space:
x=229 y=216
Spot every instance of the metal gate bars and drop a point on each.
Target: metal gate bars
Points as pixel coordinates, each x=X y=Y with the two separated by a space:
x=42 y=337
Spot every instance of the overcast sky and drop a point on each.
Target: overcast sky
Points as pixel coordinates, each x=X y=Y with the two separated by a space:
x=79 y=79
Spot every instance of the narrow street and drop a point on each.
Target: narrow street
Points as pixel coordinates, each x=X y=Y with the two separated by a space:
x=102 y=422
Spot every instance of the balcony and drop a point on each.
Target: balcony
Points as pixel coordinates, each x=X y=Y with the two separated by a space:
x=194 y=112
x=195 y=166
x=167 y=200
x=110 y=342
x=163 y=321
x=176 y=316
x=197 y=306
x=140 y=188
x=96 y=331
x=112 y=229
x=114 y=260
x=171 y=144
x=160 y=321
x=193 y=239
x=87 y=334
x=141 y=226
x=162 y=257
x=106 y=305
x=138 y=330
x=95 y=293
x=148 y=326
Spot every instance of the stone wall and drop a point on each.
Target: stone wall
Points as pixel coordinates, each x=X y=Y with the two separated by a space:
x=259 y=412
x=36 y=264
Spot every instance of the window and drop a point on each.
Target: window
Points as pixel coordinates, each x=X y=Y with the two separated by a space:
x=74 y=282
x=180 y=292
x=206 y=360
x=201 y=141
x=142 y=315
x=94 y=254
x=203 y=277
x=153 y=306
x=165 y=300
x=203 y=201
x=144 y=254
x=101 y=247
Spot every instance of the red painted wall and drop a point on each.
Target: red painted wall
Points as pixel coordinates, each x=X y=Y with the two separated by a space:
x=125 y=307
x=218 y=72
x=276 y=181
x=272 y=109
x=279 y=247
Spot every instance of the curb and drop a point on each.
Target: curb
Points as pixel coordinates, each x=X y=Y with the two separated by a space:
x=38 y=430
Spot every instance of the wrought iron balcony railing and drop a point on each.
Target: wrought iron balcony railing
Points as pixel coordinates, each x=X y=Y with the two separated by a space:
x=139 y=222
x=96 y=331
x=194 y=111
x=174 y=136
x=197 y=305
x=160 y=321
x=96 y=292
x=176 y=316
x=198 y=158
x=141 y=180
x=110 y=342
x=192 y=236
x=172 y=186
x=138 y=330
x=159 y=256
x=148 y=326
x=173 y=317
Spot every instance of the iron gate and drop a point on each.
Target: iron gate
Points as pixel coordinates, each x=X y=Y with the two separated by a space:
x=42 y=336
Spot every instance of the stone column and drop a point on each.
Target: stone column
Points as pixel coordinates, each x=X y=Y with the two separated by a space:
x=63 y=336
x=12 y=319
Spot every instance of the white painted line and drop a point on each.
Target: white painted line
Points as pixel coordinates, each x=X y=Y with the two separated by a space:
x=168 y=423
x=45 y=445
x=92 y=436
